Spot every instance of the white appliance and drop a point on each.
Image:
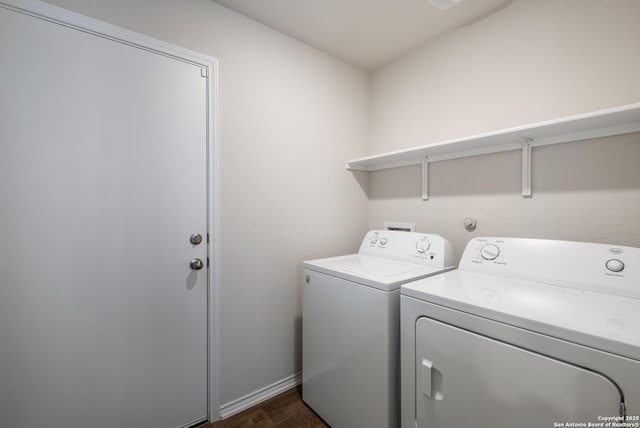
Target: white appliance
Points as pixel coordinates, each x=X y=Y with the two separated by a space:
x=526 y=333
x=351 y=326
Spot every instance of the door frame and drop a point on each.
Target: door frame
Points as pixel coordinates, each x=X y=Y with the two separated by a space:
x=209 y=67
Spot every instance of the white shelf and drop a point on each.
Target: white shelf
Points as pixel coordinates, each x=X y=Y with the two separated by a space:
x=598 y=124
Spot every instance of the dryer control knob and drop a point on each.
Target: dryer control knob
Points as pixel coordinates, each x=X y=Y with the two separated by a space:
x=423 y=246
x=490 y=252
x=615 y=265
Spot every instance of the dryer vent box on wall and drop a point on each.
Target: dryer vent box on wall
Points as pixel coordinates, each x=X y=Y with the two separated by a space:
x=402 y=227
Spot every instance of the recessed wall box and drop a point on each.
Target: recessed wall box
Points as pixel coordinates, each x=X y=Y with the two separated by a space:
x=403 y=227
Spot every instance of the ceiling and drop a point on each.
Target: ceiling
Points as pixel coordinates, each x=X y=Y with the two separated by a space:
x=367 y=33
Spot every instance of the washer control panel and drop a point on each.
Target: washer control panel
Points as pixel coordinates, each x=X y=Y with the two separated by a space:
x=603 y=268
x=488 y=251
x=411 y=247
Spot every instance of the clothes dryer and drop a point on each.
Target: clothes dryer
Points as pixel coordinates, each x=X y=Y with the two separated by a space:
x=351 y=326
x=527 y=333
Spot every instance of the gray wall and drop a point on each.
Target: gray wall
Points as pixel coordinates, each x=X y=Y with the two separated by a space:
x=531 y=61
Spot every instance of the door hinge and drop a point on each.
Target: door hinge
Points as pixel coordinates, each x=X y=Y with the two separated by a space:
x=204 y=72
x=207 y=238
x=207 y=262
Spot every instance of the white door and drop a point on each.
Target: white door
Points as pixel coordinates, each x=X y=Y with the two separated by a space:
x=103 y=165
x=467 y=380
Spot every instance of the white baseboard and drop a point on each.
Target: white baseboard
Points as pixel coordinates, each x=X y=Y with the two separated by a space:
x=260 y=395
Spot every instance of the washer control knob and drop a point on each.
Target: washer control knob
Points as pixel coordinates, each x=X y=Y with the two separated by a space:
x=423 y=246
x=383 y=241
x=490 y=252
x=374 y=240
x=615 y=265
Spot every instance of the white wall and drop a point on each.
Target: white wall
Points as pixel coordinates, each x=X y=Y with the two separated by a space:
x=529 y=62
x=290 y=116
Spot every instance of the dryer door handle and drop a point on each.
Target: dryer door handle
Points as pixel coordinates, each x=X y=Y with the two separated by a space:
x=426 y=368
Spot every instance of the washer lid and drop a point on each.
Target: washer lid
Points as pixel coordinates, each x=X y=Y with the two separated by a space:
x=606 y=322
x=380 y=273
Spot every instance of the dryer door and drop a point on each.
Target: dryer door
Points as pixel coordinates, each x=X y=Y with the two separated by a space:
x=467 y=380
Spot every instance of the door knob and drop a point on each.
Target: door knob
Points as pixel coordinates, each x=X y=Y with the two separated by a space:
x=196 y=264
x=195 y=239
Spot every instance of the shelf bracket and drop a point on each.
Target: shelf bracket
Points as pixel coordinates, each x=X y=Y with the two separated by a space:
x=526 y=165
x=425 y=179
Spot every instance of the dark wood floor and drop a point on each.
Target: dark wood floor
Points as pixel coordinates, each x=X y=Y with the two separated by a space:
x=282 y=411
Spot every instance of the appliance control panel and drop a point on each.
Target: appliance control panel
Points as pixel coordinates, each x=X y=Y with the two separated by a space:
x=411 y=247
x=610 y=269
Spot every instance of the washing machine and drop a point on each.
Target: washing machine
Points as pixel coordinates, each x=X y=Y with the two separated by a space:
x=351 y=326
x=525 y=333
